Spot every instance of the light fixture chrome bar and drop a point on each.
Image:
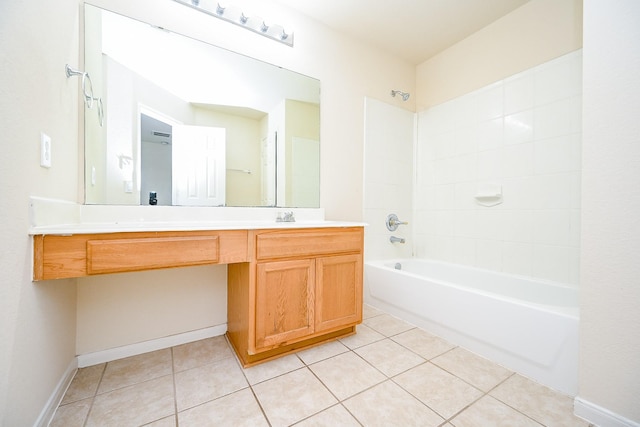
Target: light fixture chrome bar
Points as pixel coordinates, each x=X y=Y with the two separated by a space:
x=255 y=24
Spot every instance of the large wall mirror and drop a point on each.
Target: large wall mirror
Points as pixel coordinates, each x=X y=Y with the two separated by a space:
x=188 y=123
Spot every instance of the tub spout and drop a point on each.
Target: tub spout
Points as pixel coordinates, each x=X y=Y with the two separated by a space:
x=394 y=239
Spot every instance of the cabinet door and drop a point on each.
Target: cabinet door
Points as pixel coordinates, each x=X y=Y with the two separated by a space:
x=338 y=291
x=284 y=301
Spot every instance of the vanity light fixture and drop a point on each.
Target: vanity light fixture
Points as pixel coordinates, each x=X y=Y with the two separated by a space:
x=237 y=17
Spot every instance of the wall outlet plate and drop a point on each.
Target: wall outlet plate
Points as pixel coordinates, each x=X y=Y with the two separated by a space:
x=45 y=150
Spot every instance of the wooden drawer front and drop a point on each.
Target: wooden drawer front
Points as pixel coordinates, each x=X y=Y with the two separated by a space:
x=117 y=255
x=302 y=243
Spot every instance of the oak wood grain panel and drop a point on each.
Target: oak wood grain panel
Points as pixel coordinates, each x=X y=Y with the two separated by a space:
x=274 y=244
x=284 y=301
x=338 y=291
x=119 y=255
x=65 y=256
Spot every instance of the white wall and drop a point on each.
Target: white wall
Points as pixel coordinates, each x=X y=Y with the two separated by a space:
x=610 y=275
x=38 y=324
x=521 y=135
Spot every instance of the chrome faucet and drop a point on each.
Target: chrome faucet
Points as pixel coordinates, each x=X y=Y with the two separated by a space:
x=285 y=217
x=394 y=239
x=393 y=222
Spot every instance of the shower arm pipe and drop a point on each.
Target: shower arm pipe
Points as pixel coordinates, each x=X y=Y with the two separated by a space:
x=404 y=95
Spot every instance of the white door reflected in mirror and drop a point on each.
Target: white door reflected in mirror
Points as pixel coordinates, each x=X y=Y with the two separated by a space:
x=198 y=166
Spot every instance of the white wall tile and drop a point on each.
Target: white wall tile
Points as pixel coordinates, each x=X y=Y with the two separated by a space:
x=490 y=134
x=491 y=165
x=443 y=223
x=464 y=168
x=517 y=258
x=518 y=92
x=465 y=195
x=465 y=223
x=551 y=263
x=556 y=191
x=551 y=227
x=518 y=225
x=445 y=196
x=518 y=160
x=489 y=254
x=560 y=154
x=558 y=118
x=557 y=80
x=490 y=102
x=464 y=251
x=491 y=224
x=518 y=127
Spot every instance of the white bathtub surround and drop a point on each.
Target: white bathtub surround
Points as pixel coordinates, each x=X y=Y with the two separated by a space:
x=388 y=178
x=529 y=326
x=523 y=136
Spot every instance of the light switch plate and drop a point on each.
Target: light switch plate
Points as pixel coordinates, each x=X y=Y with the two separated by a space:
x=45 y=150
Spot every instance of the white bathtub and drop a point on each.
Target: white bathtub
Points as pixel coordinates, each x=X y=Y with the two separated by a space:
x=528 y=326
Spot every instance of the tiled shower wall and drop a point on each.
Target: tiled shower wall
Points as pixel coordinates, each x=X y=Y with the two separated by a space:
x=388 y=178
x=523 y=134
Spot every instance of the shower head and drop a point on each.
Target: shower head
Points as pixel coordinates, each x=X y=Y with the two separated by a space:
x=405 y=95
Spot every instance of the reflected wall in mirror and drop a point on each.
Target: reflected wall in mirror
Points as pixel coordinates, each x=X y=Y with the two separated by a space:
x=188 y=123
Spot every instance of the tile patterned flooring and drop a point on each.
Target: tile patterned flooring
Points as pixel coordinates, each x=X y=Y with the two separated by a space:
x=388 y=374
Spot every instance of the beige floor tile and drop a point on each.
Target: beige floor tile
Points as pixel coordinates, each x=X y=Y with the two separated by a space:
x=164 y=422
x=136 y=369
x=335 y=416
x=134 y=405
x=387 y=325
x=446 y=394
x=72 y=415
x=369 y=311
x=388 y=405
x=544 y=405
x=476 y=370
x=364 y=335
x=488 y=412
x=346 y=375
x=292 y=397
x=239 y=409
x=322 y=352
x=423 y=343
x=199 y=385
x=273 y=368
x=84 y=384
x=200 y=353
x=389 y=357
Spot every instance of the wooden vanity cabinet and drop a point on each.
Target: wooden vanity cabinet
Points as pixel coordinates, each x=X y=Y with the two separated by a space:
x=287 y=289
x=305 y=287
x=79 y=255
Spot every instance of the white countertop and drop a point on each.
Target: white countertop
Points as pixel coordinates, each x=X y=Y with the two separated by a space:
x=142 y=226
x=55 y=217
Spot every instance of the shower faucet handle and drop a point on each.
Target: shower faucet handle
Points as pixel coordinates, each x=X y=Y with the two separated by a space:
x=393 y=222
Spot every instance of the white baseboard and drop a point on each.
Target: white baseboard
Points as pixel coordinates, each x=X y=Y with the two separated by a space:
x=600 y=416
x=108 y=355
x=56 y=397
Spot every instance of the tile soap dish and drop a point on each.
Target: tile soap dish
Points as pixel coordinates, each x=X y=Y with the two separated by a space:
x=489 y=194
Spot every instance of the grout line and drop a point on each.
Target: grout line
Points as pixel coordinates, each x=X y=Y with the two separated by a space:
x=95 y=394
x=175 y=388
